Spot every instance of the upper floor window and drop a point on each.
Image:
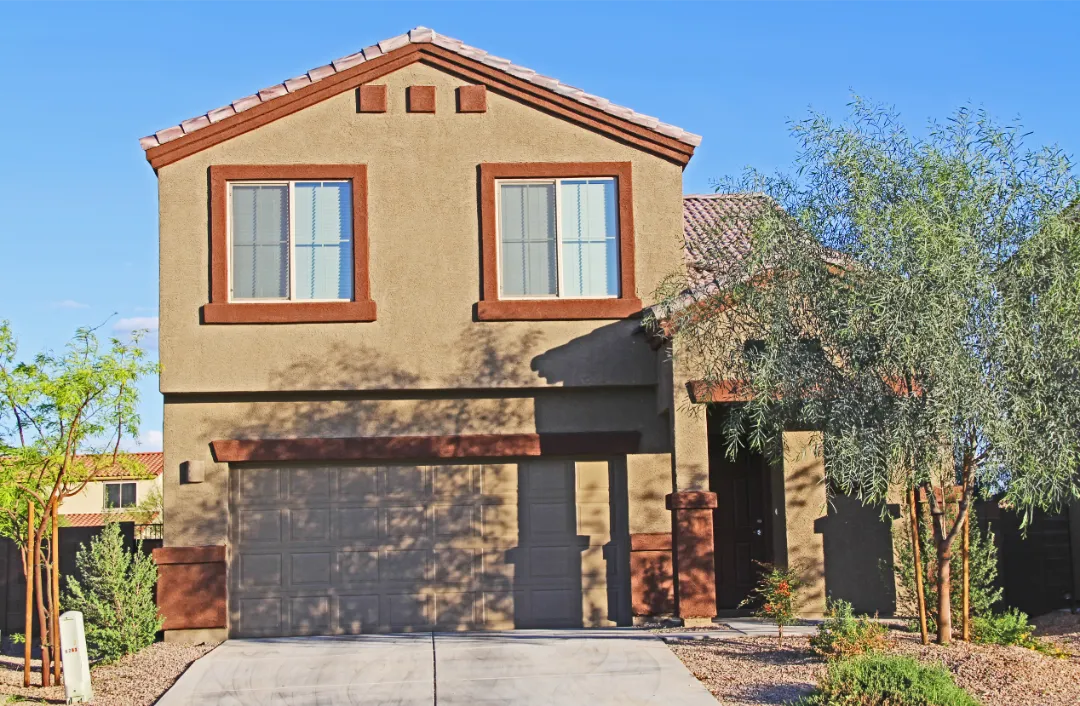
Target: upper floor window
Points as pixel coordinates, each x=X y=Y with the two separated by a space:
x=288 y=244
x=291 y=240
x=119 y=496
x=558 y=238
x=557 y=241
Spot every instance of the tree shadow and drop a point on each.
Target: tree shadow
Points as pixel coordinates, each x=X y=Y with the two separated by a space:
x=421 y=544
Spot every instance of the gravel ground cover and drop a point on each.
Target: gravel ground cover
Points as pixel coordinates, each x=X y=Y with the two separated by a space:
x=136 y=680
x=754 y=671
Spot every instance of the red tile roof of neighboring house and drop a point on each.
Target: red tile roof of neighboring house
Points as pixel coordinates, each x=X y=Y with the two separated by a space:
x=716 y=233
x=152 y=461
x=419 y=35
x=93 y=519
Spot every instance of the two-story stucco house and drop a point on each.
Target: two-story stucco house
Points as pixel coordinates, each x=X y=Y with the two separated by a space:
x=406 y=383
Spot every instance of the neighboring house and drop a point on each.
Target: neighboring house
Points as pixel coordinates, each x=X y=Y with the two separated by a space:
x=114 y=494
x=406 y=384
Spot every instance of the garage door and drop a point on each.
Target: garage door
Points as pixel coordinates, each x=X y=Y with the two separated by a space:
x=352 y=549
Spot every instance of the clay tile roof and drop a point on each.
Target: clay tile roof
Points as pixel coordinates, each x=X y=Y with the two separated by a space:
x=419 y=35
x=716 y=232
x=152 y=461
x=92 y=519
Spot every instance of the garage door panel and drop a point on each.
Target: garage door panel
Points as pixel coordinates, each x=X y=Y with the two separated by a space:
x=309 y=568
x=309 y=525
x=352 y=549
x=260 y=570
x=309 y=485
x=358 y=613
x=357 y=567
x=357 y=522
x=358 y=483
x=260 y=526
x=404 y=521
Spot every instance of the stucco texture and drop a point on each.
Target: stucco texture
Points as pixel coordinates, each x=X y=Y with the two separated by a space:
x=424 y=254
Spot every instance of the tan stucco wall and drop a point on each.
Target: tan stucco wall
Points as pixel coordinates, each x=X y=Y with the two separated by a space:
x=92 y=497
x=424 y=263
x=804 y=502
x=197 y=512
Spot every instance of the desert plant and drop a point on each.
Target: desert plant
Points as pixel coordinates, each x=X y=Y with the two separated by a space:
x=116 y=596
x=774 y=596
x=983 y=565
x=1011 y=627
x=842 y=634
x=876 y=679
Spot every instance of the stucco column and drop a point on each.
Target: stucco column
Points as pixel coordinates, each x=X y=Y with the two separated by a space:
x=804 y=502
x=691 y=504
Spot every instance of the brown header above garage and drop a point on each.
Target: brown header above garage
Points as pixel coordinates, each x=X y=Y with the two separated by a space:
x=382 y=448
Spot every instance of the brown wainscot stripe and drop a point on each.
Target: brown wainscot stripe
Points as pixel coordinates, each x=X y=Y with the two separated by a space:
x=727 y=391
x=191 y=587
x=650 y=542
x=371 y=98
x=472 y=99
x=420 y=99
x=691 y=500
x=377 y=448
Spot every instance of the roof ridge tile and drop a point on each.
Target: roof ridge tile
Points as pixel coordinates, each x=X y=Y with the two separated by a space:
x=417 y=35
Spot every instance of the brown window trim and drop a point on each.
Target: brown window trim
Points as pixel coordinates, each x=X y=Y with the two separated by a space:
x=221 y=311
x=491 y=308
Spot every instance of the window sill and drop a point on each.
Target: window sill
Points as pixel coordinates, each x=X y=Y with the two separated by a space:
x=556 y=309
x=288 y=312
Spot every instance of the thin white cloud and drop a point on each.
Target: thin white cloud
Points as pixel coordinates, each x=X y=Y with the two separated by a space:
x=70 y=304
x=147 y=324
x=150 y=440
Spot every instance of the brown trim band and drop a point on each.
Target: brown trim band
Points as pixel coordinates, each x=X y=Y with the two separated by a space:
x=189 y=555
x=288 y=312
x=617 y=128
x=379 y=448
x=221 y=311
x=650 y=542
x=691 y=500
x=728 y=391
x=492 y=308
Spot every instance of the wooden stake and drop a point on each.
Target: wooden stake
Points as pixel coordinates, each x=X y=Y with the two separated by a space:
x=28 y=631
x=916 y=554
x=966 y=594
x=54 y=552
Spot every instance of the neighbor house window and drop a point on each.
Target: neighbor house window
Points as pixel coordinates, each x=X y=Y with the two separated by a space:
x=557 y=241
x=119 y=496
x=559 y=238
x=291 y=240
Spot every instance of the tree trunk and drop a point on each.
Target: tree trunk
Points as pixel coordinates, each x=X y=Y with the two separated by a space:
x=54 y=555
x=966 y=599
x=944 y=587
x=917 y=555
x=43 y=630
x=28 y=567
x=780 y=633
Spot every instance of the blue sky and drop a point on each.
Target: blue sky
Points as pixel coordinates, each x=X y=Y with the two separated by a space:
x=84 y=82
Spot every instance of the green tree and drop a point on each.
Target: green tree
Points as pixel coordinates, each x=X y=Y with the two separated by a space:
x=63 y=418
x=916 y=300
x=115 y=596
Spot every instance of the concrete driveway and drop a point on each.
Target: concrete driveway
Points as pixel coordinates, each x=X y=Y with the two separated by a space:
x=590 y=667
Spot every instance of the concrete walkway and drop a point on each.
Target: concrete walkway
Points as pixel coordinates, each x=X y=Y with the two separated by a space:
x=593 y=667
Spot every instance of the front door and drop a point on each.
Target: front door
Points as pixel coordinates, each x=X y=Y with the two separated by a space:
x=741 y=524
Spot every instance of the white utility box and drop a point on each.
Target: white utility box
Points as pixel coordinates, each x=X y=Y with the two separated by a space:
x=76 y=661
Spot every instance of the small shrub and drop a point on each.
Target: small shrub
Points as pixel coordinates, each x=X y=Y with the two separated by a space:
x=983 y=564
x=877 y=680
x=116 y=596
x=844 y=635
x=774 y=596
x=1010 y=628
